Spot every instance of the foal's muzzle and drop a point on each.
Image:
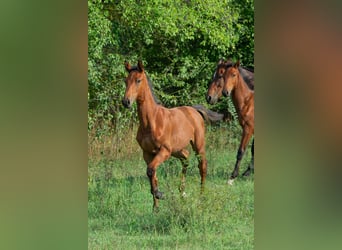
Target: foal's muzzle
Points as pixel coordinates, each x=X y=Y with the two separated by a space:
x=126 y=102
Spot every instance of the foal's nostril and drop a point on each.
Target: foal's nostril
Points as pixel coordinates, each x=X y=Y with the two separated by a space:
x=208 y=98
x=225 y=93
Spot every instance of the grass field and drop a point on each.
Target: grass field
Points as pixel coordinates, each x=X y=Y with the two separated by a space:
x=120 y=204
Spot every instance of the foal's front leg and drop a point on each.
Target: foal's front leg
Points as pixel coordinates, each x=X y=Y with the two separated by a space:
x=159 y=158
x=246 y=136
x=251 y=165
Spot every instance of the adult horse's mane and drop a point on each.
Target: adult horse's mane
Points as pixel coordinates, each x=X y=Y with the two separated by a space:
x=250 y=69
x=247 y=74
x=135 y=68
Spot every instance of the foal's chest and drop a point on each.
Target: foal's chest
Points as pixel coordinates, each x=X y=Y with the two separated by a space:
x=147 y=142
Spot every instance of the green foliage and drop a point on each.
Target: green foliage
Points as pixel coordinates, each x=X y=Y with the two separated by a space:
x=179 y=42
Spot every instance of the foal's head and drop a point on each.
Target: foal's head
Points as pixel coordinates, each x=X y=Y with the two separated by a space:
x=135 y=84
x=216 y=86
x=231 y=78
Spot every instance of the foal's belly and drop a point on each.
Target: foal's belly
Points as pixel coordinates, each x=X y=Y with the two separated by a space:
x=177 y=144
x=180 y=142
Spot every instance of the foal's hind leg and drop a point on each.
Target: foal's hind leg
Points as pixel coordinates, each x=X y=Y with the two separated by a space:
x=183 y=156
x=251 y=165
x=199 y=148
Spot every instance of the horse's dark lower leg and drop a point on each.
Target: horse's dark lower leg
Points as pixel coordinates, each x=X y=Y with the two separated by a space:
x=156 y=194
x=151 y=173
x=251 y=165
x=252 y=149
x=246 y=135
x=249 y=169
x=162 y=155
x=237 y=164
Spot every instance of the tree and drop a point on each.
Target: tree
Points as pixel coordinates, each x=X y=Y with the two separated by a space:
x=179 y=42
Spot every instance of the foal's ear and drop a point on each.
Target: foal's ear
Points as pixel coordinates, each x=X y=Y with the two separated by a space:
x=140 y=66
x=237 y=64
x=127 y=66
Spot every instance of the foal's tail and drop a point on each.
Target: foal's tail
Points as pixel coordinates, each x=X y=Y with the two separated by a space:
x=208 y=115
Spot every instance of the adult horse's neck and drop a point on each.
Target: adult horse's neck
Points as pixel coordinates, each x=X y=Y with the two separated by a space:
x=241 y=94
x=146 y=106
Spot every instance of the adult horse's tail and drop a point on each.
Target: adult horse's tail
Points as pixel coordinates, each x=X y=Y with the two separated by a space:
x=208 y=115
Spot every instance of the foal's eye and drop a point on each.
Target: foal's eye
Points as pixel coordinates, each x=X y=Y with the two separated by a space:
x=138 y=81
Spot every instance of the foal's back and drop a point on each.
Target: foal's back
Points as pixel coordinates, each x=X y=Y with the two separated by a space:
x=177 y=127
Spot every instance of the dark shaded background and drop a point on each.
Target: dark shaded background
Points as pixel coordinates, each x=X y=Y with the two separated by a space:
x=43 y=107
x=43 y=131
x=298 y=125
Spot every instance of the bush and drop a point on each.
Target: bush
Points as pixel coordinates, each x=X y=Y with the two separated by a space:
x=179 y=42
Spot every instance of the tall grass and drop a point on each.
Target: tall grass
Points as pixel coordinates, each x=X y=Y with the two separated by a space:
x=120 y=203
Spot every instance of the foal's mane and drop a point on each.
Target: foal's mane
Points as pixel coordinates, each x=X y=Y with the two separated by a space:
x=135 y=68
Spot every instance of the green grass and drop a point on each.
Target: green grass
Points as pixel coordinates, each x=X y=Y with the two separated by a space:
x=120 y=204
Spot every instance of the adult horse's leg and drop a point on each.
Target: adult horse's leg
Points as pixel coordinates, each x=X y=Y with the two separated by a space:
x=246 y=136
x=159 y=158
x=251 y=165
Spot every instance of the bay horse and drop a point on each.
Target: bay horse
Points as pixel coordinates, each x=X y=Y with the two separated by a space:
x=215 y=88
x=165 y=132
x=243 y=100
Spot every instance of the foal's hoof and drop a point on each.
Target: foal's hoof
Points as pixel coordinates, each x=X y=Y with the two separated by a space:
x=184 y=195
x=230 y=182
x=159 y=195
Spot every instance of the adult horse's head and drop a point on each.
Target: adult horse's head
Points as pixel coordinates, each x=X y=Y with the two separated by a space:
x=230 y=78
x=216 y=86
x=135 y=81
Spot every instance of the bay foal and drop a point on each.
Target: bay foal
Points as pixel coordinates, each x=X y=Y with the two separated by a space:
x=164 y=132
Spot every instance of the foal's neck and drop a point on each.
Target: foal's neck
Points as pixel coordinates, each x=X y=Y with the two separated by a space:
x=147 y=107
